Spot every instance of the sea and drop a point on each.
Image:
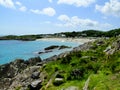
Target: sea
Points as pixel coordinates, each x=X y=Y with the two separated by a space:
x=11 y=50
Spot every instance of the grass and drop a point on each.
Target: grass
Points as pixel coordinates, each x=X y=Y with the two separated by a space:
x=78 y=66
x=104 y=82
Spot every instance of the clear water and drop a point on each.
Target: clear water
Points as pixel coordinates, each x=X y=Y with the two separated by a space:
x=13 y=49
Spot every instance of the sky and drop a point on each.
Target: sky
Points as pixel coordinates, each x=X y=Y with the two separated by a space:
x=18 y=17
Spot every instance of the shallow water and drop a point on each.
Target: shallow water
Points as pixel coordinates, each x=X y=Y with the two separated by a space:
x=13 y=49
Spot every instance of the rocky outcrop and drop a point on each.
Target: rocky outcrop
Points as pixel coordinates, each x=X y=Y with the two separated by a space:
x=25 y=79
x=35 y=75
x=111 y=49
x=46 y=51
x=83 y=47
x=13 y=68
x=56 y=47
x=51 y=47
x=63 y=47
x=8 y=72
x=35 y=85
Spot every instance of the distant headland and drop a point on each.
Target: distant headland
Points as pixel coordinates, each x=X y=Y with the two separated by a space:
x=74 y=34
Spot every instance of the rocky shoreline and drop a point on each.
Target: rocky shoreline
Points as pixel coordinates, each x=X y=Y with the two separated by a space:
x=27 y=73
x=52 y=48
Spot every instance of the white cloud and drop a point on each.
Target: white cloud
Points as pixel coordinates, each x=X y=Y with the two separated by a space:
x=46 y=11
x=75 y=22
x=77 y=3
x=23 y=8
x=110 y=8
x=64 y=18
x=35 y=11
x=50 y=1
x=18 y=3
x=7 y=3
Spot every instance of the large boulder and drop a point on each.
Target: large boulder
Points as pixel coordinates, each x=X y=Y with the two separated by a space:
x=35 y=75
x=35 y=85
x=33 y=61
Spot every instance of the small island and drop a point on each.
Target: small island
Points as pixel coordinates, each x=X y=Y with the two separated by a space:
x=52 y=48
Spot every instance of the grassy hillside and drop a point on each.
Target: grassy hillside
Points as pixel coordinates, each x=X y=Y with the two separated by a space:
x=94 y=69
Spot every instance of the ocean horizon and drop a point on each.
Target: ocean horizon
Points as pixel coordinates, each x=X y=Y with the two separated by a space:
x=11 y=50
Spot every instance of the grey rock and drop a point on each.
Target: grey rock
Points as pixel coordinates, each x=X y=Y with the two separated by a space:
x=107 y=49
x=51 y=47
x=58 y=79
x=71 y=88
x=35 y=85
x=40 y=52
x=35 y=75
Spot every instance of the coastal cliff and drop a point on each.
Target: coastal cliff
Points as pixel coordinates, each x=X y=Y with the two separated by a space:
x=86 y=67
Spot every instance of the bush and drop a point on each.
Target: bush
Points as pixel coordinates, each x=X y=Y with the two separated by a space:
x=66 y=60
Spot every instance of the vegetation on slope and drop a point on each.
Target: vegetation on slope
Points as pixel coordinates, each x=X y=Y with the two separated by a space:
x=23 y=37
x=101 y=68
x=93 y=33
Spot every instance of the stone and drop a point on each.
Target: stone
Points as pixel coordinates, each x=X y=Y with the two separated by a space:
x=63 y=47
x=51 y=47
x=47 y=51
x=35 y=85
x=107 y=49
x=71 y=88
x=34 y=60
x=35 y=75
x=58 y=81
x=40 y=52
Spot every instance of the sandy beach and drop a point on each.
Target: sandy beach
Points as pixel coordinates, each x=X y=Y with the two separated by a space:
x=77 y=40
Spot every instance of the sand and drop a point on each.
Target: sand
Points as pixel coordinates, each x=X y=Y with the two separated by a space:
x=76 y=40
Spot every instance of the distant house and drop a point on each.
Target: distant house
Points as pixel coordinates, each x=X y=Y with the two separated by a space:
x=63 y=35
x=84 y=34
x=60 y=35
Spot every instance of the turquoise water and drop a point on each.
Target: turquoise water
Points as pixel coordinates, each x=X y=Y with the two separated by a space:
x=13 y=49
